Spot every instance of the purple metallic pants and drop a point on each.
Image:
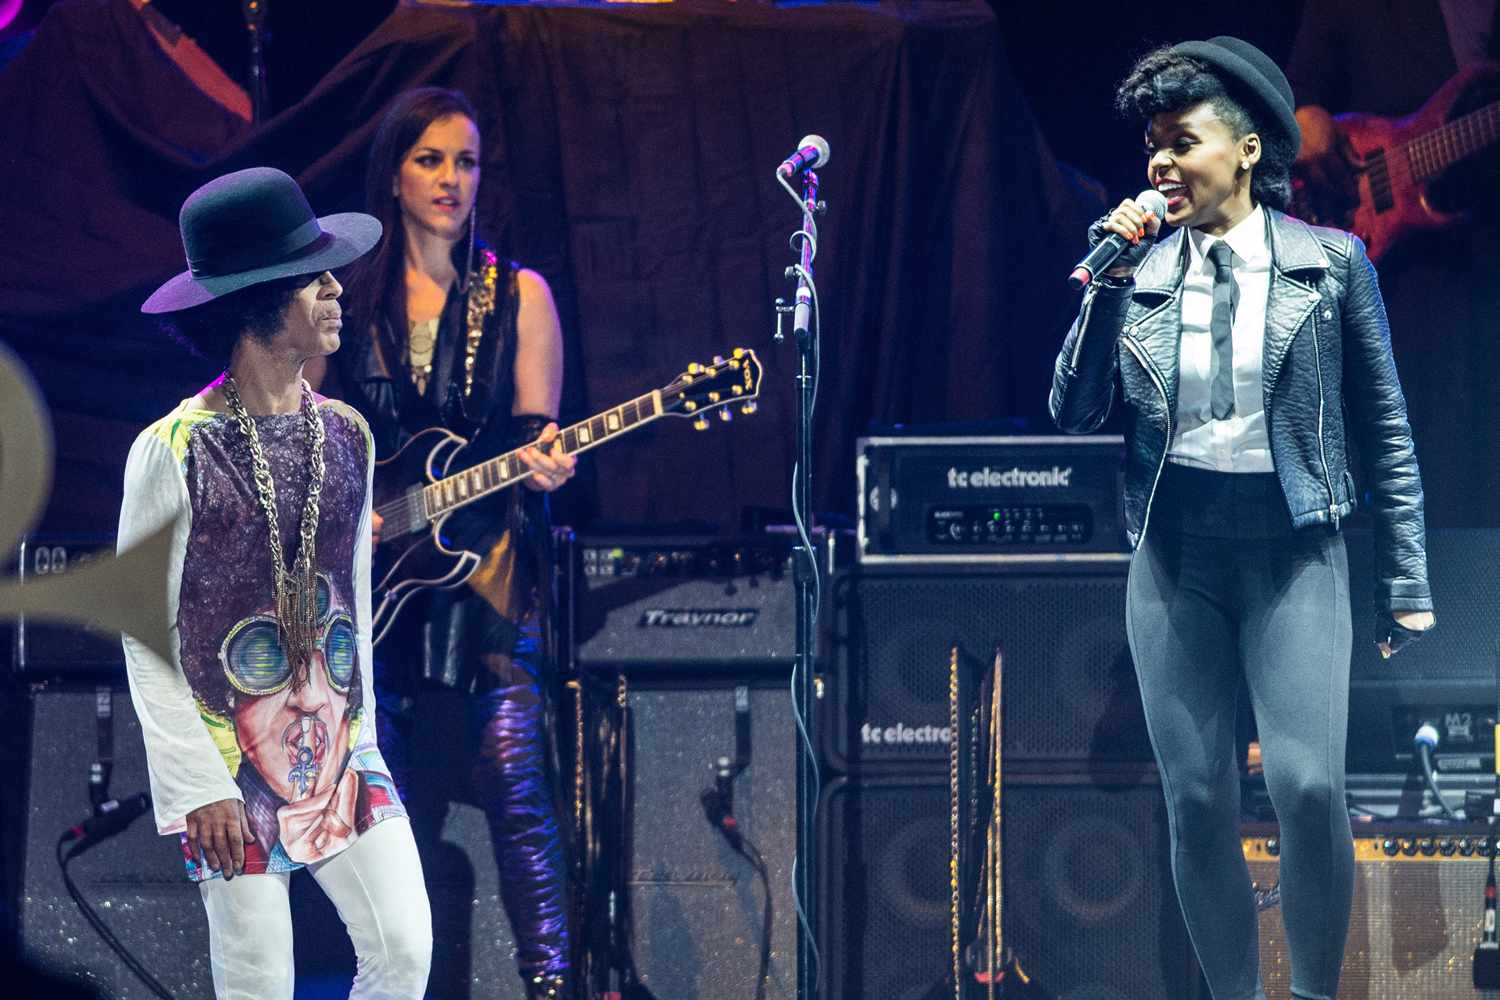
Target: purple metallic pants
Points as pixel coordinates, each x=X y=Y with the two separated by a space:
x=507 y=754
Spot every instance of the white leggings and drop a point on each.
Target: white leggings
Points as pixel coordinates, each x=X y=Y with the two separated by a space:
x=376 y=885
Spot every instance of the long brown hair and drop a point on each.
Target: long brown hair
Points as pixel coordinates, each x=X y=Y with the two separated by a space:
x=376 y=282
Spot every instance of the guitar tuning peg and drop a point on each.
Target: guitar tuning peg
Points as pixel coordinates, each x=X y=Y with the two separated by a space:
x=694 y=368
x=738 y=352
x=718 y=360
x=726 y=415
x=700 y=423
x=747 y=408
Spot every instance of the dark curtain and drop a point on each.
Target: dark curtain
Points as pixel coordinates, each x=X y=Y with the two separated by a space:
x=628 y=157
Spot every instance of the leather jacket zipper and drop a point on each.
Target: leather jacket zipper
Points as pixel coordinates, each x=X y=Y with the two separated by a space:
x=1091 y=293
x=1139 y=352
x=1333 y=509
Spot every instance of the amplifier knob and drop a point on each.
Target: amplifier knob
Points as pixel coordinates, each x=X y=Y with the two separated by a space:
x=1390 y=847
x=1446 y=847
x=1273 y=847
x=1427 y=846
x=1465 y=846
x=1408 y=847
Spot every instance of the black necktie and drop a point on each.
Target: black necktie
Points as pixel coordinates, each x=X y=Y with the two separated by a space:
x=1221 y=366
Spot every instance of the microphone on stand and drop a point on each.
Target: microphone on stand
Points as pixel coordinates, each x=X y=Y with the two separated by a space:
x=718 y=803
x=1109 y=249
x=1487 y=955
x=1424 y=743
x=811 y=152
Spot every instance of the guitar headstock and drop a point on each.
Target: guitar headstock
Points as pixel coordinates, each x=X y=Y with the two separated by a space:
x=725 y=385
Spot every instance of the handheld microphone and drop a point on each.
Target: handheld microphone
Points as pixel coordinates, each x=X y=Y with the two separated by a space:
x=811 y=152
x=113 y=817
x=1109 y=249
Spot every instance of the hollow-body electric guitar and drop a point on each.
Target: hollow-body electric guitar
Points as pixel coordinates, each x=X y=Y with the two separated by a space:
x=1400 y=158
x=419 y=487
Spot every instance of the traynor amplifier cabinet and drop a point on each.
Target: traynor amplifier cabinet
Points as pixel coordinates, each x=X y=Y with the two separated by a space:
x=1416 y=919
x=690 y=604
x=991 y=499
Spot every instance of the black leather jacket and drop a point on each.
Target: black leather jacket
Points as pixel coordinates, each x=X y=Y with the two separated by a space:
x=1326 y=331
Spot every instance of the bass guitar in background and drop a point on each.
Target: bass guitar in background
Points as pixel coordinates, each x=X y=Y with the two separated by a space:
x=1395 y=162
x=432 y=477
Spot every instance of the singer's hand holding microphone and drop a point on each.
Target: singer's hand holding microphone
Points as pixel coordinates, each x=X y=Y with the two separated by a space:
x=1120 y=240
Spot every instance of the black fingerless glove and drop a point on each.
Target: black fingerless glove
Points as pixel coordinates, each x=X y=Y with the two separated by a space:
x=1396 y=635
x=1133 y=254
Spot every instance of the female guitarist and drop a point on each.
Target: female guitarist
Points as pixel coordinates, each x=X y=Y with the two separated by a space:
x=446 y=333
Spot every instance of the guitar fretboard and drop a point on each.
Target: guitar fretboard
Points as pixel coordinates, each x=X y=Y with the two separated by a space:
x=1436 y=151
x=496 y=474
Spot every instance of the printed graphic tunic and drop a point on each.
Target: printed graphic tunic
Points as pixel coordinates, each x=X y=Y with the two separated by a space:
x=225 y=720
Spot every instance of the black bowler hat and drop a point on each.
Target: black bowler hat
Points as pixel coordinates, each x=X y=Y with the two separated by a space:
x=1257 y=75
x=254 y=226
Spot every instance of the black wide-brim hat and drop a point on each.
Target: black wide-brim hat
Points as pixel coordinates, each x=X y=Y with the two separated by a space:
x=1253 y=74
x=254 y=226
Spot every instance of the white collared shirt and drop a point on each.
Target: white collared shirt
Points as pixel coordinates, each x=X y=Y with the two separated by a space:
x=1238 y=443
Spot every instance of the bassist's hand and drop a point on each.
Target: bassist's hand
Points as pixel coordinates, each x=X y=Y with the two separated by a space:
x=376 y=521
x=1326 y=163
x=549 y=466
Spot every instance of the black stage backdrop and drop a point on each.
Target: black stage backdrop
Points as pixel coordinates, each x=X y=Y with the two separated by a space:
x=628 y=157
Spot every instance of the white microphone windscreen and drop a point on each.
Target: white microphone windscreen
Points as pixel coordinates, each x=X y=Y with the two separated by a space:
x=821 y=145
x=1152 y=200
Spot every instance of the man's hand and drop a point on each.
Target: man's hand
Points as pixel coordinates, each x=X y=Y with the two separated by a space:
x=376 y=522
x=218 y=833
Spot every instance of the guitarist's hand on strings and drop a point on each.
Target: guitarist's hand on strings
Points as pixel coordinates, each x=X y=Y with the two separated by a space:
x=549 y=466
x=1326 y=161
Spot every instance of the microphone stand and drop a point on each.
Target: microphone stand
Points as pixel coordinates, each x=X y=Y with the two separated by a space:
x=255 y=24
x=805 y=323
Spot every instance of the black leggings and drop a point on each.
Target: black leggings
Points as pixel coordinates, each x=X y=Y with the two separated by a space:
x=1202 y=612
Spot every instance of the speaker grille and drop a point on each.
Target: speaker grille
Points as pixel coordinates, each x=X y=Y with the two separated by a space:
x=1070 y=687
x=1089 y=906
x=1412 y=931
x=1461 y=569
x=1090 y=910
x=135 y=879
x=884 y=870
x=695 y=903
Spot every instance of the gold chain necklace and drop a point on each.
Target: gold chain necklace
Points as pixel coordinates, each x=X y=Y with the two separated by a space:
x=481 y=303
x=296 y=589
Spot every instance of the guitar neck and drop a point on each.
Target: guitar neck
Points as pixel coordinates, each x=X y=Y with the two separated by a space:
x=496 y=474
x=1433 y=152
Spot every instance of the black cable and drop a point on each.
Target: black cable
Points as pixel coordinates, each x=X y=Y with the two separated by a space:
x=746 y=849
x=108 y=936
x=758 y=862
x=1429 y=776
